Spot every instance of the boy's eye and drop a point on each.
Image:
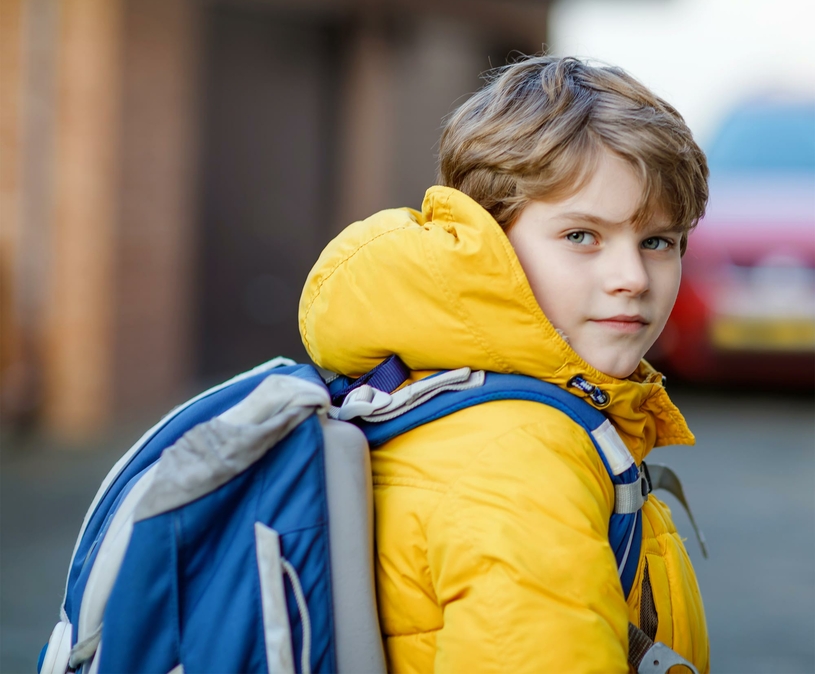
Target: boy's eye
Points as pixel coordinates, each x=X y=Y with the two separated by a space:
x=656 y=243
x=580 y=237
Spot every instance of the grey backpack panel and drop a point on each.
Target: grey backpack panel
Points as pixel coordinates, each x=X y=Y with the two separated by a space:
x=350 y=502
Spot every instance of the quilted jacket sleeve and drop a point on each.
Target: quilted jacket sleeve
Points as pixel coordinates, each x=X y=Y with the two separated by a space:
x=520 y=561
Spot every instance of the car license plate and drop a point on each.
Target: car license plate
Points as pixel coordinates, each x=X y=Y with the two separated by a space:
x=763 y=334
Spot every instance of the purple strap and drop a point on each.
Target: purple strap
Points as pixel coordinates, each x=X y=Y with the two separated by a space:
x=388 y=376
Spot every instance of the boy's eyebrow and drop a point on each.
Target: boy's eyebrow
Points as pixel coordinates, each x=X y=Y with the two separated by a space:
x=589 y=217
x=579 y=216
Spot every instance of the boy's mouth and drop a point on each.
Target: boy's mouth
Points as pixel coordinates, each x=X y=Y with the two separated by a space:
x=623 y=323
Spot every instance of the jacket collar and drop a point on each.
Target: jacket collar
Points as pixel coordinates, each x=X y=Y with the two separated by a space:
x=443 y=288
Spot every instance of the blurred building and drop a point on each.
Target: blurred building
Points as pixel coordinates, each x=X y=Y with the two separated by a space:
x=172 y=168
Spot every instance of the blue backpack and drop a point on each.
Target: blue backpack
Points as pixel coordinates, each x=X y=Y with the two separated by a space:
x=236 y=534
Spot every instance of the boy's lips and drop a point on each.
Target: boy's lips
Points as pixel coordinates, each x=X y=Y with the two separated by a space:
x=622 y=323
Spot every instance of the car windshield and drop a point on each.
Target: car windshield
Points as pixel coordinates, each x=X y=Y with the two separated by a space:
x=766 y=138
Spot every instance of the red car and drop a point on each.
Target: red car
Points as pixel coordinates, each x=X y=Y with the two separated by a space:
x=746 y=308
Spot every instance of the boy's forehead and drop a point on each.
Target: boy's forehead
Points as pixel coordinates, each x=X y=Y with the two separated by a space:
x=653 y=221
x=612 y=194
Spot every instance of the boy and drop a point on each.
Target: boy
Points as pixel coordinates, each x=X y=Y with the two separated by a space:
x=552 y=248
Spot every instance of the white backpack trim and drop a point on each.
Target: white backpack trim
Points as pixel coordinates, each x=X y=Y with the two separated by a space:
x=276 y=631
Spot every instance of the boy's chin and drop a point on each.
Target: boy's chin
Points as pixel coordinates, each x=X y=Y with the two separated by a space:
x=623 y=374
x=619 y=368
x=619 y=374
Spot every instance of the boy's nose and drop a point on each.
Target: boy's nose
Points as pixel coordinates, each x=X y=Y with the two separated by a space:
x=626 y=273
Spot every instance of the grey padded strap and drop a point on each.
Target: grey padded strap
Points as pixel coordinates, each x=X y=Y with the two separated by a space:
x=662 y=477
x=370 y=404
x=629 y=498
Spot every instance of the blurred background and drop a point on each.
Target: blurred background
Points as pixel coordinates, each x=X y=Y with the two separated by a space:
x=171 y=169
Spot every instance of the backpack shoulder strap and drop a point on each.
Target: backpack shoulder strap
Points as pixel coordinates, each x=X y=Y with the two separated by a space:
x=382 y=416
x=382 y=412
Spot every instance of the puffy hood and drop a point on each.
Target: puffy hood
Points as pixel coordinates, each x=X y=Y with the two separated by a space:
x=444 y=289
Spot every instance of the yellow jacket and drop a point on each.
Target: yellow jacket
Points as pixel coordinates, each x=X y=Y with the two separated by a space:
x=492 y=523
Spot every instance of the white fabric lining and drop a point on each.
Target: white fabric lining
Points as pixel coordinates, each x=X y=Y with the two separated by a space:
x=628 y=546
x=613 y=448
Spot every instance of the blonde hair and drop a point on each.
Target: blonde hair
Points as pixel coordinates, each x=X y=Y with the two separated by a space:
x=537 y=128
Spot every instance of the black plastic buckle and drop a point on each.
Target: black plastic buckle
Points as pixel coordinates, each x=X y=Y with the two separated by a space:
x=647 y=487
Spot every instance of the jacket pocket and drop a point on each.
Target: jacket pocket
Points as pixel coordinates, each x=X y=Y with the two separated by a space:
x=661 y=593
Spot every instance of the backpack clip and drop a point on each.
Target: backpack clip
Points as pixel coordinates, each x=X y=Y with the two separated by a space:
x=659 y=659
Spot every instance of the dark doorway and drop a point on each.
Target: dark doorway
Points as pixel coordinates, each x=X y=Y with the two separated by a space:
x=269 y=111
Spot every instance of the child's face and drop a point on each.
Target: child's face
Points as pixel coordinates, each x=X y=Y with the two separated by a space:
x=607 y=286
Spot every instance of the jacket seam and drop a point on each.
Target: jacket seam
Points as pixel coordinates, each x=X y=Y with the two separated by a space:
x=414 y=634
x=452 y=300
x=521 y=280
x=409 y=482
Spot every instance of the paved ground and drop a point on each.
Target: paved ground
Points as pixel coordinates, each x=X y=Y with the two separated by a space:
x=750 y=481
